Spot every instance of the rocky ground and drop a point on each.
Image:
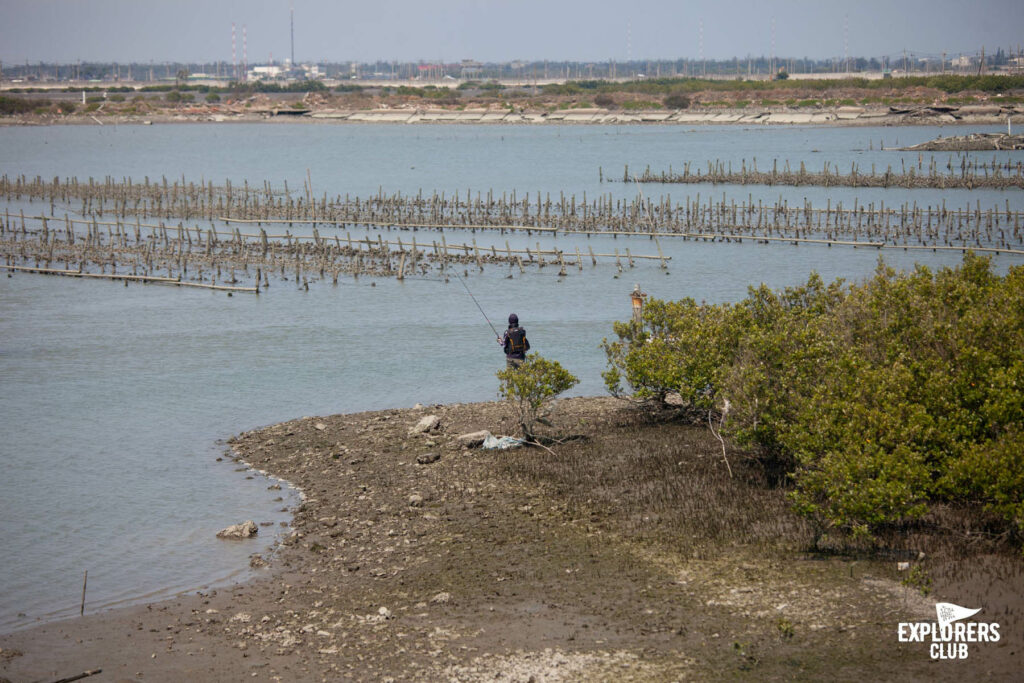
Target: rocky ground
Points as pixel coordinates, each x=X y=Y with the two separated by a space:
x=626 y=554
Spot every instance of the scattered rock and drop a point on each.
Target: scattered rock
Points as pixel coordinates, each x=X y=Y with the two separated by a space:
x=473 y=439
x=675 y=400
x=441 y=599
x=427 y=423
x=320 y=426
x=236 y=531
x=415 y=500
x=427 y=458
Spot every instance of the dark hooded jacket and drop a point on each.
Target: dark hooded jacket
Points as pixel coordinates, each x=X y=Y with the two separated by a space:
x=514 y=340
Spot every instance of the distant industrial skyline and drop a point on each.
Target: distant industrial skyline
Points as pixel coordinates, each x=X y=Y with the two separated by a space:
x=66 y=31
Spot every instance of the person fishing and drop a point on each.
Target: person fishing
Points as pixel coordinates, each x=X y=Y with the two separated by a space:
x=514 y=342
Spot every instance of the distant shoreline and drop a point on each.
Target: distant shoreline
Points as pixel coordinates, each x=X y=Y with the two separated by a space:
x=841 y=116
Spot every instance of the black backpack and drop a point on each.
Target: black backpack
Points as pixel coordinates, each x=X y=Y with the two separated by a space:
x=517 y=342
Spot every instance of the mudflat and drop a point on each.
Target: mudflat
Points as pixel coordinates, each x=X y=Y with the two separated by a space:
x=626 y=553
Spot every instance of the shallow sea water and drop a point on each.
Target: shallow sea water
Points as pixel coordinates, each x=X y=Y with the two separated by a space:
x=115 y=401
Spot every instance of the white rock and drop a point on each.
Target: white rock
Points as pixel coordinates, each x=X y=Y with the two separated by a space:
x=235 y=531
x=473 y=439
x=426 y=424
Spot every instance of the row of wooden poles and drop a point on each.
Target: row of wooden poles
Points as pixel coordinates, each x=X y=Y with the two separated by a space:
x=221 y=260
x=967 y=174
x=997 y=228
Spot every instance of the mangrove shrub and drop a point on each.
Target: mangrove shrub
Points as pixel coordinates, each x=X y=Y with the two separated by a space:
x=881 y=399
x=532 y=388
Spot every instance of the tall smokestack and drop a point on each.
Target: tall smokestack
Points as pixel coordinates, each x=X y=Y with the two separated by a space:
x=245 y=55
x=291 y=6
x=234 y=54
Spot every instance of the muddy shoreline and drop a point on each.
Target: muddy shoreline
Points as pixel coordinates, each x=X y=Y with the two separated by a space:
x=628 y=555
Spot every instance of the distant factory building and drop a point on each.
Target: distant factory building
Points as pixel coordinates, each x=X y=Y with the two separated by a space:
x=263 y=73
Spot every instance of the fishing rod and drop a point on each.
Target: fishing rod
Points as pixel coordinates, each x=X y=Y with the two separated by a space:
x=477 y=303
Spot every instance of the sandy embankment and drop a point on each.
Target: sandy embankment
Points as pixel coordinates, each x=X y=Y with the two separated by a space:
x=580 y=564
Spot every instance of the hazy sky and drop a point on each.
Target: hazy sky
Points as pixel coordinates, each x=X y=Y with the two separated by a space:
x=499 y=30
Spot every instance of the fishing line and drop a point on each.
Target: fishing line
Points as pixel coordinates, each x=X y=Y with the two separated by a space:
x=476 y=302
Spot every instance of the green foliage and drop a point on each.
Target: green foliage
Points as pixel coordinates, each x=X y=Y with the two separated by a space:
x=919 y=578
x=880 y=398
x=640 y=104
x=677 y=100
x=18 y=105
x=268 y=87
x=662 y=87
x=173 y=96
x=682 y=349
x=212 y=97
x=604 y=100
x=532 y=388
x=568 y=88
x=442 y=96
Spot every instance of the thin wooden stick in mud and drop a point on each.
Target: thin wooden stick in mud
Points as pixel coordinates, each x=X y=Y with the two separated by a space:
x=78 y=677
x=85 y=580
